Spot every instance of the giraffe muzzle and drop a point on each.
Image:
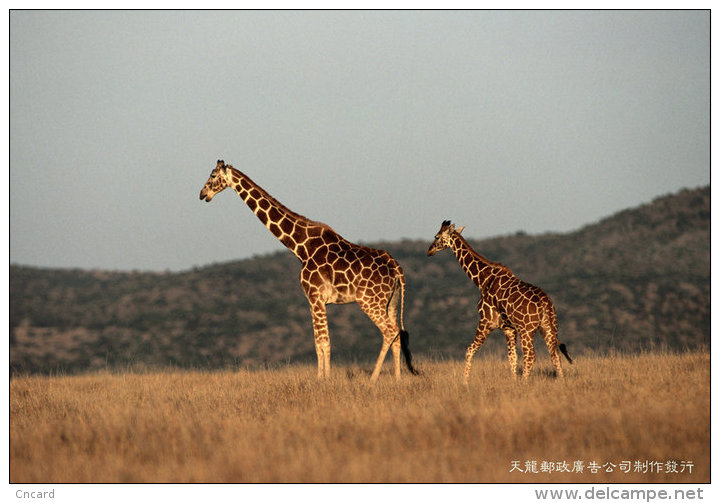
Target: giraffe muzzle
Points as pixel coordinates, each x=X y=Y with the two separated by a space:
x=432 y=250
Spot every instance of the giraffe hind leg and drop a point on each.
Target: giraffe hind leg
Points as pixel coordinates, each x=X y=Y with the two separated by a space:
x=380 y=360
x=395 y=346
x=551 y=341
x=391 y=339
x=391 y=316
x=378 y=314
x=512 y=350
x=526 y=342
x=403 y=341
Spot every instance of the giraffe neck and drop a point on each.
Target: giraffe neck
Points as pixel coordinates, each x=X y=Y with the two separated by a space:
x=477 y=267
x=295 y=231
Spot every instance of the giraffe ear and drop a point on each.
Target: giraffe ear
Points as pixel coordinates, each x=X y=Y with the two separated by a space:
x=459 y=231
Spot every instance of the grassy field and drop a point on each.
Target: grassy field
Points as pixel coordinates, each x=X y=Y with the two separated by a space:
x=642 y=418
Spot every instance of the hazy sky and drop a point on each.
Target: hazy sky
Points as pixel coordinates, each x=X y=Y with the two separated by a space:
x=381 y=124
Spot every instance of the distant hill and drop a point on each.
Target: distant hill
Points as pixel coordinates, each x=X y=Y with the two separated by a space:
x=638 y=280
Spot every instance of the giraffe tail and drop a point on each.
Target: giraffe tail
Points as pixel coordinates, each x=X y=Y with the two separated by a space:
x=404 y=335
x=563 y=350
x=405 y=346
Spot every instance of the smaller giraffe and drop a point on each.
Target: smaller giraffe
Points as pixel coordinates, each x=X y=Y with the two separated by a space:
x=507 y=302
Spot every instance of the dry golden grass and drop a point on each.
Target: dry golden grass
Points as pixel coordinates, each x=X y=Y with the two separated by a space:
x=284 y=426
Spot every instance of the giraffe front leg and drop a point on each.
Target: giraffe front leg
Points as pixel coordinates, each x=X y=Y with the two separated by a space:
x=481 y=334
x=322 y=337
x=325 y=347
x=512 y=350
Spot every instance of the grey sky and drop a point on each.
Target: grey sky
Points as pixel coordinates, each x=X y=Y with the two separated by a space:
x=381 y=124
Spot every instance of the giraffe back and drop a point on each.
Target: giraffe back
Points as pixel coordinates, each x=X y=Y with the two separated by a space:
x=518 y=302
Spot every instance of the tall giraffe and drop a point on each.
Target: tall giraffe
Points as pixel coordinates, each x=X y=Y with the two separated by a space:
x=334 y=270
x=507 y=302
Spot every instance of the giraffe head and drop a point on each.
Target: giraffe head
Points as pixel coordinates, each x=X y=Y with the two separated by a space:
x=443 y=238
x=218 y=181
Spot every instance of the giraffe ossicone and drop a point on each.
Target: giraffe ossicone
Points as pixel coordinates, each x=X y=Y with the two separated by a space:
x=334 y=270
x=507 y=302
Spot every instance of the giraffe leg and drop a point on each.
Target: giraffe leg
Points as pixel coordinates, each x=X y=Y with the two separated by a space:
x=381 y=358
x=389 y=341
x=375 y=310
x=483 y=329
x=391 y=337
x=512 y=350
x=551 y=341
x=326 y=356
x=395 y=346
x=394 y=329
x=322 y=337
x=526 y=341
